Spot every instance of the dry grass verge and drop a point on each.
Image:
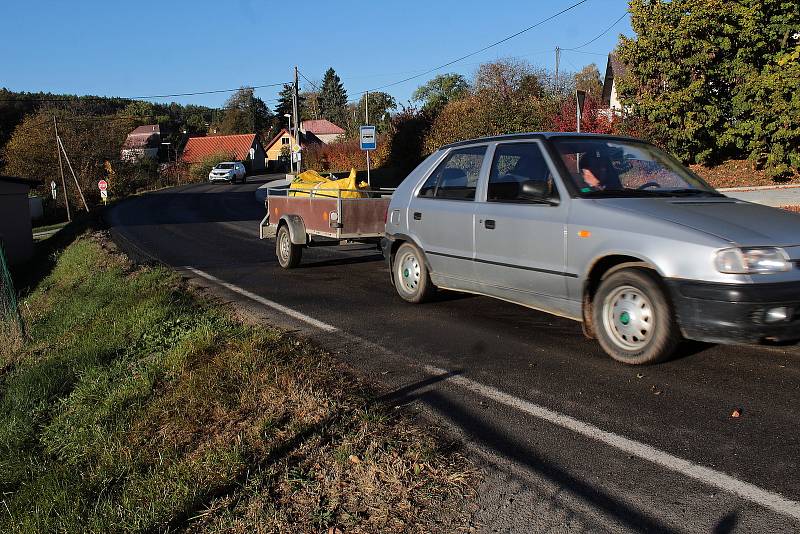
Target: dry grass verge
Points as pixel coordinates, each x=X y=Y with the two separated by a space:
x=137 y=407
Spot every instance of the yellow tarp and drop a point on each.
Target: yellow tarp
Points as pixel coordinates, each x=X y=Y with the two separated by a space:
x=311 y=181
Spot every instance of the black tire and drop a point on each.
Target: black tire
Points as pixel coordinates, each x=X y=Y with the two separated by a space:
x=410 y=274
x=288 y=253
x=633 y=318
x=244 y=179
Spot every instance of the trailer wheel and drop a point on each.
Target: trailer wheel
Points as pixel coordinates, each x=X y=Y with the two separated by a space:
x=411 y=278
x=288 y=253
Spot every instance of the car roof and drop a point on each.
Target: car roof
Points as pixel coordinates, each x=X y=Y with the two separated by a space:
x=536 y=135
x=227 y=162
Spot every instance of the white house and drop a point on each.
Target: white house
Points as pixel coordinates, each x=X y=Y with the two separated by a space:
x=142 y=143
x=610 y=99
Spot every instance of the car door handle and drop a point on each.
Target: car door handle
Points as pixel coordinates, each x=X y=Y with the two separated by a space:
x=417 y=216
x=489 y=224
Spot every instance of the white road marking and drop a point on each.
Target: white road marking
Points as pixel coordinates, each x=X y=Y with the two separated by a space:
x=266 y=302
x=711 y=477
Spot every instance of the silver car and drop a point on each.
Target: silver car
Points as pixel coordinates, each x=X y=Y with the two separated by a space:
x=228 y=171
x=605 y=230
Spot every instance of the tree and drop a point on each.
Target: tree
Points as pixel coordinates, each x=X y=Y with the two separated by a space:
x=285 y=105
x=588 y=79
x=89 y=142
x=333 y=98
x=717 y=79
x=436 y=93
x=244 y=113
x=380 y=107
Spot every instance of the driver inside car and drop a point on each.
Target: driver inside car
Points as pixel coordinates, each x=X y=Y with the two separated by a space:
x=598 y=174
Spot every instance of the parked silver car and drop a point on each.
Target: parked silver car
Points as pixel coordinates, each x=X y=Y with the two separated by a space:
x=228 y=171
x=605 y=230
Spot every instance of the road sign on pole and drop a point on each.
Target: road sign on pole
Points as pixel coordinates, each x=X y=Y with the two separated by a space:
x=580 y=96
x=102 y=185
x=368 y=138
x=53 y=189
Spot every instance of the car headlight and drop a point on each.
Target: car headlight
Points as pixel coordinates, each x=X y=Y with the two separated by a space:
x=752 y=260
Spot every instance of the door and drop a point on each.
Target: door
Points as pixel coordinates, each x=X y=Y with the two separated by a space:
x=441 y=216
x=519 y=229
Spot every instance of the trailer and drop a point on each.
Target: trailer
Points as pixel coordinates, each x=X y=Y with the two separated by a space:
x=322 y=217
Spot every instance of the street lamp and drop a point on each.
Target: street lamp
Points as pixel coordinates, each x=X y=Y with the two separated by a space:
x=291 y=162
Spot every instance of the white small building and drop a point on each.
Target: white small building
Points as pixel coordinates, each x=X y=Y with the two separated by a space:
x=142 y=143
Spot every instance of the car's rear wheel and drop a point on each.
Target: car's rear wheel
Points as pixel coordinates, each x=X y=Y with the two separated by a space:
x=633 y=318
x=288 y=253
x=411 y=279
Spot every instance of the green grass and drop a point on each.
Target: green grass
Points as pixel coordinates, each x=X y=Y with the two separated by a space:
x=134 y=406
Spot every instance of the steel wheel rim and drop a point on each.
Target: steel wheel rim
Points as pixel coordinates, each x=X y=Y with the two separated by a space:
x=628 y=318
x=284 y=245
x=409 y=272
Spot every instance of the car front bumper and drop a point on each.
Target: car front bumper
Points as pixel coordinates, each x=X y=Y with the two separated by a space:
x=736 y=313
x=226 y=178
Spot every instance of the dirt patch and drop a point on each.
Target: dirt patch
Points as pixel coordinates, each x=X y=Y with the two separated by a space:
x=739 y=173
x=791 y=208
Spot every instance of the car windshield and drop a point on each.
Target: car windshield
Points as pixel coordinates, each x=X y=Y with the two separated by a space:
x=224 y=166
x=619 y=168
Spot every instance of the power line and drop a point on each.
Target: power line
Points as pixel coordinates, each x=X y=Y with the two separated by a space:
x=587 y=43
x=501 y=41
x=149 y=97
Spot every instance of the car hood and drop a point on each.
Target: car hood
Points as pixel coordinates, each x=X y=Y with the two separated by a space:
x=741 y=223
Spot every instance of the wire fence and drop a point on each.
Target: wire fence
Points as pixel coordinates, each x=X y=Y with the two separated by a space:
x=10 y=316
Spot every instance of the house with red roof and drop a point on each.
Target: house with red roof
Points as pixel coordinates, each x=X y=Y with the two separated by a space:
x=243 y=147
x=322 y=129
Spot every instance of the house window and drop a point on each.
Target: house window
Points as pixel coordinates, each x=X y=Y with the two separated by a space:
x=284 y=140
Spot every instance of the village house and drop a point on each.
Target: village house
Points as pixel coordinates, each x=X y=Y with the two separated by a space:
x=324 y=130
x=610 y=99
x=243 y=147
x=142 y=143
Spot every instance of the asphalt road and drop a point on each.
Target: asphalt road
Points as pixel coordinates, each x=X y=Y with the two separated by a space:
x=572 y=440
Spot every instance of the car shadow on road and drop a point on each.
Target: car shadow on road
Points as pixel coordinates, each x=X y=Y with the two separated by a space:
x=505 y=445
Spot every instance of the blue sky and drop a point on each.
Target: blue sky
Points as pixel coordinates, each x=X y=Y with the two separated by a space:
x=146 y=47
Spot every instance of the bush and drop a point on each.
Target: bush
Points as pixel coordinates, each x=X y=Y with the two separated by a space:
x=342 y=156
x=199 y=171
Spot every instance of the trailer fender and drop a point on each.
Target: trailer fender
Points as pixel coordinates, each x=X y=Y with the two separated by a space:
x=297 y=229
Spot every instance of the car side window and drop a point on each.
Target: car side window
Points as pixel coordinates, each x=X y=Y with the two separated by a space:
x=456 y=178
x=519 y=174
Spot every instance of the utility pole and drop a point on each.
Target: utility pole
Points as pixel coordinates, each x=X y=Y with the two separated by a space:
x=74 y=176
x=558 y=61
x=296 y=113
x=61 y=169
x=366 y=123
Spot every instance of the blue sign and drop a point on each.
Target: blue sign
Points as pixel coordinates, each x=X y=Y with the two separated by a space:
x=369 y=138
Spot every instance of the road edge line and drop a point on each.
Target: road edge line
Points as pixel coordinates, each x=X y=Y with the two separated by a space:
x=266 y=302
x=711 y=477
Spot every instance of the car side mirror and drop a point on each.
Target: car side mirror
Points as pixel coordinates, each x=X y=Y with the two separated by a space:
x=537 y=190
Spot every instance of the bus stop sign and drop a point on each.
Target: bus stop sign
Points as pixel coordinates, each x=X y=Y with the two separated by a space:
x=368 y=137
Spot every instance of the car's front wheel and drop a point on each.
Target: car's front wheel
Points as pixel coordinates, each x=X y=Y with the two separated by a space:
x=411 y=279
x=633 y=318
